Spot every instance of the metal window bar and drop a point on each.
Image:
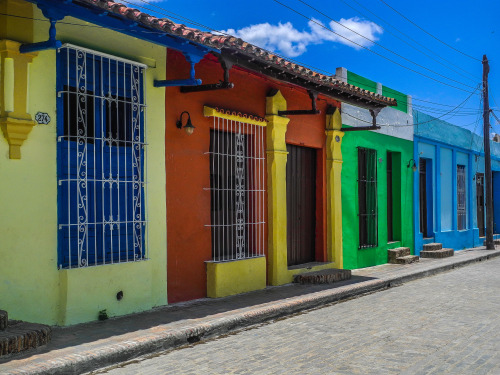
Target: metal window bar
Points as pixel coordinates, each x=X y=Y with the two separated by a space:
x=237 y=166
x=461 y=198
x=101 y=178
x=390 y=203
x=367 y=198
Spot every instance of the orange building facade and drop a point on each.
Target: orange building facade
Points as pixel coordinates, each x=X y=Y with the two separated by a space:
x=193 y=268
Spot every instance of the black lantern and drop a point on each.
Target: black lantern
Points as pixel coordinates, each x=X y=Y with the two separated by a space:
x=188 y=128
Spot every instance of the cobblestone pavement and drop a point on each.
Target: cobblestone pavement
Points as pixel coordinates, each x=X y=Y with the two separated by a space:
x=448 y=323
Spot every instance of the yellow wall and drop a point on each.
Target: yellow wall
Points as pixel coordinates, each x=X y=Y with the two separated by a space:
x=278 y=272
x=234 y=277
x=31 y=286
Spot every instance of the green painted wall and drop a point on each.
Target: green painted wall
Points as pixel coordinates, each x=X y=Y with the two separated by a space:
x=401 y=98
x=402 y=180
x=368 y=84
x=362 y=82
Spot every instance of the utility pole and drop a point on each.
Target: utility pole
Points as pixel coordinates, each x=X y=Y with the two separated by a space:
x=487 y=158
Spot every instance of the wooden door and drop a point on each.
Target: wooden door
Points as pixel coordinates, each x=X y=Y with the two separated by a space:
x=480 y=202
x=301 y=204
x=423 y=196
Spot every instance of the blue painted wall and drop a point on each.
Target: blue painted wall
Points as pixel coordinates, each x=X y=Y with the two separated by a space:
x=445 y=146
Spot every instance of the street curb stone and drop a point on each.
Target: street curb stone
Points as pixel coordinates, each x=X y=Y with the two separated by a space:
x=164 y=337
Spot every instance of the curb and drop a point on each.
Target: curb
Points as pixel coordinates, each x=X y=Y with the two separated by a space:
x=165 y=337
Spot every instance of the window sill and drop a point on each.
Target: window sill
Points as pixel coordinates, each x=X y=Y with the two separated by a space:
x=101 y=264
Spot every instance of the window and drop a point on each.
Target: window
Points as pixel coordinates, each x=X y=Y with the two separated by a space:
x=237 y=190
x=394 y=221
x=461 y=198
x=101 y=148
x=367 y=197
x=390 y=203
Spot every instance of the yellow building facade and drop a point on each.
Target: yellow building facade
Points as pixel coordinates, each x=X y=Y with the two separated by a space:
x=33 y=286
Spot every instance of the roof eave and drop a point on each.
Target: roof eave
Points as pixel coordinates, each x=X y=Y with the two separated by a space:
x=336 y=89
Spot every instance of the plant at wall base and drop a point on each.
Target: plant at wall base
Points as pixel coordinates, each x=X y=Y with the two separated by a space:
x=103 y=315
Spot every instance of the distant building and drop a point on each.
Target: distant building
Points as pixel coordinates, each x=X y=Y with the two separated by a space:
x=449 y=192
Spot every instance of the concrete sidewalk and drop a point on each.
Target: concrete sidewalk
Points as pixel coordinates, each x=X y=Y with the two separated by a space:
x=86 y=347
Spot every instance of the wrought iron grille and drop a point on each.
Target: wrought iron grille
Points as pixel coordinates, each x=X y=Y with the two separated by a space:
x=237 y=168
x=461 y=198
x=367 y=197
x=101 y=145
x=390 y=198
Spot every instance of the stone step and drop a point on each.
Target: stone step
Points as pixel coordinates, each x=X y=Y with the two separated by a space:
x=322 y=277
x=4 y=320
x=397 y=252
x=441 y=253
x=433 y=246
x=495 y=242
x=407 y=259
x=21 y=336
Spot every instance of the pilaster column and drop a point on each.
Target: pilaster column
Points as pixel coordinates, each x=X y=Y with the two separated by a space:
x=276 y=188
x=15 y=121
x=334 y=186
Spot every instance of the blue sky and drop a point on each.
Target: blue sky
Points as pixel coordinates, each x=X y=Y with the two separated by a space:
x=470 y=27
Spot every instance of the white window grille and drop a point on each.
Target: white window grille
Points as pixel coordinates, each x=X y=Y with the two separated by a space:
x=461 y=198
x=101 y=145
x=237 y=172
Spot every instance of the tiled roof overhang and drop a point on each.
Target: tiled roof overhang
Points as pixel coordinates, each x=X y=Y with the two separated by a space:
x=245 y=55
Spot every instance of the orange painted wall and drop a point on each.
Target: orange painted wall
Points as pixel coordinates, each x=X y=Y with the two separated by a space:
x=188 y=169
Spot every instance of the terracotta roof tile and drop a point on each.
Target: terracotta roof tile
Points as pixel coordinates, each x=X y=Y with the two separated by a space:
x=219 y=41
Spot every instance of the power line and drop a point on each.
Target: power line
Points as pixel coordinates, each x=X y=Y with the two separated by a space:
x=169 y=13
x=382 y=46
x=428 y=33
x=420 y=123
x=162 y=33
x=376 y=53
x=410 y=38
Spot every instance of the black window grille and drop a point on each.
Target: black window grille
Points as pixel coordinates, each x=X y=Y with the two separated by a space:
x=367 y=197
x=390 y=205
x=461 y=198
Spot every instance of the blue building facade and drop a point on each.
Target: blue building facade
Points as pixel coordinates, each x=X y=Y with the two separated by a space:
x=449 y=196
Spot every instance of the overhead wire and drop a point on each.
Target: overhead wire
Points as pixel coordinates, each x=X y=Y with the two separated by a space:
x=376 y=53
x=425 y=122
x=408 y=37
x=382 y=46
x=192 y=22
x=428 y=33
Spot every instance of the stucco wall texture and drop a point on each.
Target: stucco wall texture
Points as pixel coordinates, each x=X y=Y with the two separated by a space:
x=358 y=258
x=188 y=167
x=31 y=286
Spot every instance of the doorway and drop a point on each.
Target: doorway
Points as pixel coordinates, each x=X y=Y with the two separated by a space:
x=480 y=202
x=301 y=204
x=425 y=197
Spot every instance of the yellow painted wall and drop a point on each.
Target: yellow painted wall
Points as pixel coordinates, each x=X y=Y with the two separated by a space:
x=31 y=286
x=238 y=276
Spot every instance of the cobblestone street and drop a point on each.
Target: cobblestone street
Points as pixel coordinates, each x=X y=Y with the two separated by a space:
x=447 y=323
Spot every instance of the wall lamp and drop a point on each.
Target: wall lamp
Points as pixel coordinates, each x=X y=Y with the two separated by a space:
x=414 y=166
x=188 y=128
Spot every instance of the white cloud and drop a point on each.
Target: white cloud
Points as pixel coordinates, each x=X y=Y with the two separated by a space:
x=361 y=31
x=286 y=39
x=282 y=37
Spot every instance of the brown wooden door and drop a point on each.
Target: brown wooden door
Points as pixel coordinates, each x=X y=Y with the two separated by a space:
x=301 y=204
x=480 y=202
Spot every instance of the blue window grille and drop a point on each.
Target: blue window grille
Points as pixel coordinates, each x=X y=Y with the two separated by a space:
x=101 y=145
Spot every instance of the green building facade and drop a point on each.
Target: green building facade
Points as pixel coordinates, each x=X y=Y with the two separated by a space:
x=377 y=179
